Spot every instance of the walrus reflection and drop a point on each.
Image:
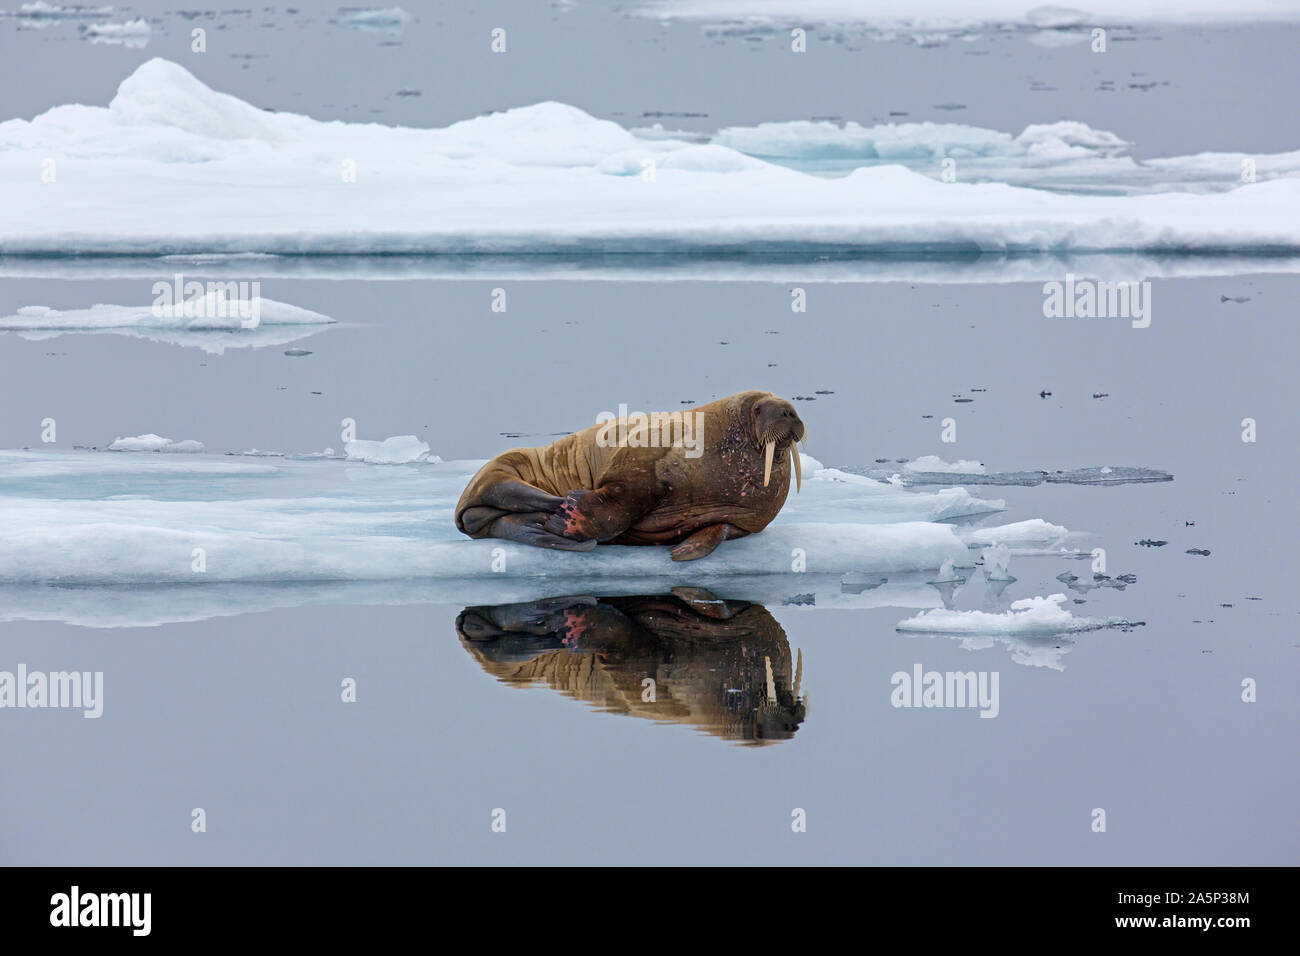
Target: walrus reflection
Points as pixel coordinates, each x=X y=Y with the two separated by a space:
x=721 y=666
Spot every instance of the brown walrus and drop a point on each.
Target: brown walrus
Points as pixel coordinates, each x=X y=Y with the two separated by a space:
x=692 y=478
x=721 y=666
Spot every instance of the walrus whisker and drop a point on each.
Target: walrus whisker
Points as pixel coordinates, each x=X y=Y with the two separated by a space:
x=767 y=463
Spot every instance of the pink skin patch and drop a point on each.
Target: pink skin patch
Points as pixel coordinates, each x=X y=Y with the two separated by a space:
x=574 y=521
x=573 y=629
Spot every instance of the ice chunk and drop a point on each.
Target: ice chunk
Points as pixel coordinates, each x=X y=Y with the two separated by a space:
x=1035 y=615
x=212 y=322
x=153 y=442
x=387 y=19
x=1032 y=534
x=934 y=464
x=133 y=33
x=398 y=450
x=997 y=560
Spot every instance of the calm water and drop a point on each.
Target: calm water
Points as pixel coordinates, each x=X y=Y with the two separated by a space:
x=241 y=715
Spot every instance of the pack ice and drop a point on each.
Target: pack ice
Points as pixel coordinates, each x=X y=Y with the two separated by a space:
x=541 y=178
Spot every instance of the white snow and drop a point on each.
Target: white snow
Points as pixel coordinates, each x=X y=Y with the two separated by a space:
x=547 y=177
x=152 y=442
x=1035 y=615
x=398 y=450
x=932 y=464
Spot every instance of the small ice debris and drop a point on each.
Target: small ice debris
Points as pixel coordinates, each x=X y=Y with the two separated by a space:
x=856 y=582
x=1055 y=18
x=389 y=20
x=948 y=574
x=800 y=600
x=997 y=560
x=133 y=33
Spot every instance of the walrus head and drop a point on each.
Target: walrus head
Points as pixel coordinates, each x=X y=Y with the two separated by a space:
x=777 y=428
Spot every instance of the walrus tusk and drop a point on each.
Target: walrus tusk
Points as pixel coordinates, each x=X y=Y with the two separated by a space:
x=798 y=675
x=771 y=683
x=798 y=468
x=767 y=464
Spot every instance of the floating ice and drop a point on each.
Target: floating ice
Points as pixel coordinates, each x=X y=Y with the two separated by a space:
x=544 y=178
x=1022 y=537
x=133 y=33
x=389 y=20
x=1035 y=615
x=997 y=561
x=152 y=442
x=398 y=450
x=214 y=325
x=932 y=464
x=96 y=518
x=40 y=10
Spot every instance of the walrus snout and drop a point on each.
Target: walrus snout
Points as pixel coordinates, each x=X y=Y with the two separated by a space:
x=777 y=426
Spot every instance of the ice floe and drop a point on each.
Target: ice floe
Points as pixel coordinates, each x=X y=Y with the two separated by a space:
x=1035 y=615
x=398 y=450
x=152 y=442
x=96 y=518
x=214 y=322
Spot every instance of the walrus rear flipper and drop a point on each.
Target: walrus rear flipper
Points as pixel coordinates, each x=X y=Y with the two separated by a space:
x=528 y=529
x=628 y=489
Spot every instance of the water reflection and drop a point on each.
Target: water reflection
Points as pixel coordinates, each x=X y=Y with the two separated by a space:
x=689 y=657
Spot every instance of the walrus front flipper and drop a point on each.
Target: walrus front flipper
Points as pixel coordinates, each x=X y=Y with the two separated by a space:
x=703 y=542
x=529 y=529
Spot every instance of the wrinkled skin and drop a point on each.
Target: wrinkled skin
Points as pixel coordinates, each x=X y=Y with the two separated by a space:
x=585 y=489
x=723 y=667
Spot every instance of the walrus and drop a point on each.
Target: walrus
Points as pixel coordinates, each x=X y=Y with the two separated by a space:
x=722 y=666
x=724 y=474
